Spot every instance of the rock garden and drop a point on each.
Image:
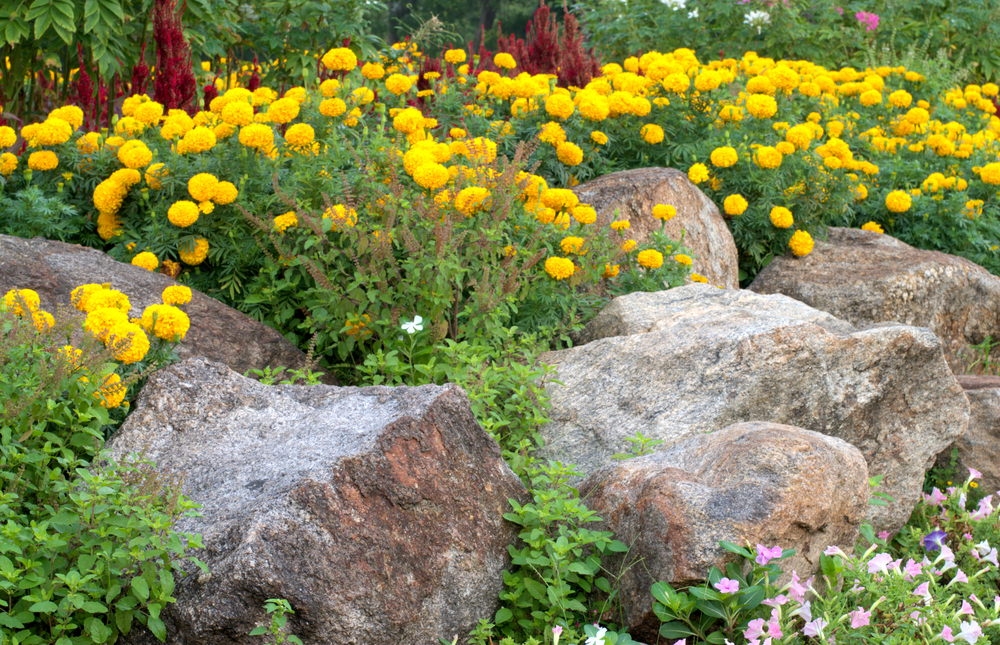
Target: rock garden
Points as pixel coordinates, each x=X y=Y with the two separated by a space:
x=554 y=342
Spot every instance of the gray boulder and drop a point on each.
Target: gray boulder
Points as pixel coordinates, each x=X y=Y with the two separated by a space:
x=703 y=358
x=635 y=192
x=979 y=448
x=217 y=332
x=376 y=512
x=867 y=278
x=761 y=483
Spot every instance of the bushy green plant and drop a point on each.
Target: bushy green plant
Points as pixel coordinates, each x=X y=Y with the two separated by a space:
x=278 y=609
x=87 y=545
x=559 y=563
x=31 y=212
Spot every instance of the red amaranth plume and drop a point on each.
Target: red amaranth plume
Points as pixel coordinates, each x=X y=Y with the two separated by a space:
x=210 y=92
x=578 y=65
x=140 y=74
x=254 y=83
x=174 y=84
x=85 y=90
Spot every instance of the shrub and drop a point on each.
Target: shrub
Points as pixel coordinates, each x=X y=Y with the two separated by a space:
x=88 y=546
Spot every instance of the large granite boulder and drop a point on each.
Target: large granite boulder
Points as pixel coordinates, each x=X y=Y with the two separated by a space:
x=217 y=332
x=866 y=278
x=703 y=358
x=376 y=512
x=761 y=483
x=635 y=192
x=979 y=448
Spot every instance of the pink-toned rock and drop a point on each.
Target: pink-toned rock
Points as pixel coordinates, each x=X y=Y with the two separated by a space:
x=764 y=483
x=635 y=192
x=868 y=278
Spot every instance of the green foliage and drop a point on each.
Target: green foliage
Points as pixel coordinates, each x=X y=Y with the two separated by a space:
x=87 y=545
x=980 y=358
x=278 y=609
x=30 y=212
x=641 y=445
x=706 y=613
x=288 y=376
x=559 y=563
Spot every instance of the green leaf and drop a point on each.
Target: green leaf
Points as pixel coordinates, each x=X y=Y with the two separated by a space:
x=94 y=607
x=257 y=631
x=140 y=588
x=503 y=615
x=44 y=607
x=735 y=548
x=157 y=628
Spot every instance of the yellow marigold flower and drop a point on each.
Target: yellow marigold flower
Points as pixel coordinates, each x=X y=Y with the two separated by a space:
x=560 y=106
x=504 y=61
x=202 y=186
x=559 y=198
x=651 y=259
x=781 y=217
x=283 y=110
x=134 y=154
x=767 y=157
x=800 y=136
x=398 y=84
x=598 y=137
x=300 y=134
x=481 y=150
x=762 y=106
x=610 y=271
x=81 y=295
x=707 y=81
x=225 y=193
x=990 y=173
x=108 y=196
x=801 y=243
x=7 y=136
x=552 y=133
x=206 y=207
x=870 y=98
x=898 y=201
x=332 y=107
x=584 y=214
x=128 y=343
x=74 y=116
x=569 y=153
x=285 y=221
x=108 y=226
x=341 y=216
x=683 y=259
x=105 y=298
x=43 y=160
x=760 y=85
x=676 y=83
x=457 y=133
x=431 y=176
x=42 y=320
x=735 y=205
x=651 y=133
x=472 y=199
x=917 y=116
x=373 y=71
x=340 y=59
x=258 y=136
x=900 y=99
x=146 y=260
x=664 y=212
x=455 y=56
x=166 y=322
x=149 y=112
x=724 y=157
x=238 y=113
x=572 y=245
x=559 y=268
x=111 y=392
x=860 y=193
x=621 y=225
x=594 y=107
x=127 y=177
x=872 y=226
x=628 y=245
x=784 y=148
x=53 y=132
x=699 y=278
x=8 y=164
x=833 y=162
x=195 y=253
x=176 y=294
x=155 y=174
x=698 y=173
x=102 y=321
x=14 y=298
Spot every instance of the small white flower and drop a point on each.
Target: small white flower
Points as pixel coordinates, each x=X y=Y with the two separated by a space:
x=415 y=326
x=598 y=638
x=676 y=5
x=692 y=14
x=756 y=18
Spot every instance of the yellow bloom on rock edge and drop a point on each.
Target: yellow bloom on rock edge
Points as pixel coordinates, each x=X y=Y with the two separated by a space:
x=146 y=260
x=176 y=294
x=801 y=243
x=683 y=259
x=664 y=211
x=872 y=226
x=650 y=258
x=13 y=300
x=781 y=217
